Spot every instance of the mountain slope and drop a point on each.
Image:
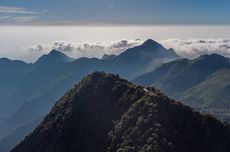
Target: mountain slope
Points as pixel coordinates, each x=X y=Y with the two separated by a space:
x=41 y=75
x=40 y=104
x=10 y=74
x=12 y=139
x=202 y=83
x=106 y=113
x=177 y=76
x=39 y=78
x=141 y=59
x=56 y=73
x=210 y=95
x=54 y=57
x=213 y=91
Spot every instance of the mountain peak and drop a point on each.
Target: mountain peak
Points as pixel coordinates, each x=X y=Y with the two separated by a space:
x=151 y=42
x=54 y=56
x=214 y=55
x=108 y=57
x=9 y=61
x=106 y=113
x=212 y=58
x=55 y=52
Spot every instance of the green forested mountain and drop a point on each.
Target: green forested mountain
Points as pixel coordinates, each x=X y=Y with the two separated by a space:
x=202 y=83
x=106 y=113
x=182 y=74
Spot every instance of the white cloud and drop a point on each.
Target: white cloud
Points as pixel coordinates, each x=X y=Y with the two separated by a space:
x=18 y=19
x=15 y=10
x=18 y=15
x=87 y=49
x=193 y=48
x=190 y=48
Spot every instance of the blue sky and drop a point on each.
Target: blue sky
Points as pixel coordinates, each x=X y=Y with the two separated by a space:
x=114 y=11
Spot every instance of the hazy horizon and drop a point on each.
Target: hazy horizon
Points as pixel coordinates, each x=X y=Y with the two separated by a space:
x=27 y=43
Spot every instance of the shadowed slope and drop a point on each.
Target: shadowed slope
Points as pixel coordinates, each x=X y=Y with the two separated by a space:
x=106 y=113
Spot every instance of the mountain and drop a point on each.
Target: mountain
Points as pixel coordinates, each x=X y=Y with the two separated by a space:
x=40 y=75
x=11 y=71
x=45 y=81
x=201 y=83
x=54 y=68
x=49 y=68
x=12 y=139
x=106 y=113
x=141 y=59
x=40 y=104
x=39 y=78
x=108 y=57
x=54 y=57
x=179 y=75
x=211 y=95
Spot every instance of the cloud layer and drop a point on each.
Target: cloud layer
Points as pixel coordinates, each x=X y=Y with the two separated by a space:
x=18 y=19
x=19 y=15
x=96 y=49
x=193 y=48
x=15 y=10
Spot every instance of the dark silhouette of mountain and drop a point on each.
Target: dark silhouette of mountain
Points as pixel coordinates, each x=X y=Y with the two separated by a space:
x=108 y=57
x=141 y=59
x=106 y=113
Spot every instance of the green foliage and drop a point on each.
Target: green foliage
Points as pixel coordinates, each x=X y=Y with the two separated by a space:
x=104 y=113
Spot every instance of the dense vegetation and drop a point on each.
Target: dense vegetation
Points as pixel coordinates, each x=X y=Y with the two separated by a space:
x=106 y=113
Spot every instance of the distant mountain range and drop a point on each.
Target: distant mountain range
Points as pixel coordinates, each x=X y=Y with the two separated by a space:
x=106 y=113
x=32 y=89
x=202 y=83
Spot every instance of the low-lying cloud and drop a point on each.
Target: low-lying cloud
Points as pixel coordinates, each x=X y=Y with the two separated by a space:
x=87 y=49
x=193 y=48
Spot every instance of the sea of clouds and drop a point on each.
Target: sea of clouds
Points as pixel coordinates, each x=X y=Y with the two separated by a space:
x=193 y=48
x=190 y=48
x=87 y=49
